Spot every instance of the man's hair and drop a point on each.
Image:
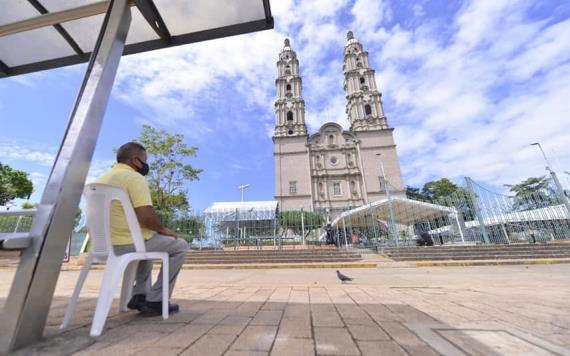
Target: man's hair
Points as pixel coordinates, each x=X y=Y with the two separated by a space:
x=128 y=150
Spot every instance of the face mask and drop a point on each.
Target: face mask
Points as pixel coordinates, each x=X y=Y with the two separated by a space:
x=144 y=169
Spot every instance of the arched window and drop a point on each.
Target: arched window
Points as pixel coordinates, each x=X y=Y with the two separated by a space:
x=367 y=109
x=359 y=65
x=288 y=87
x=362 y=81
x=289 y=116
x=331 y=139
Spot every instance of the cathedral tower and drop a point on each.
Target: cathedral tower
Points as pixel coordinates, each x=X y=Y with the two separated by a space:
x=292 y=170
x=289 y=104
x=364 y=106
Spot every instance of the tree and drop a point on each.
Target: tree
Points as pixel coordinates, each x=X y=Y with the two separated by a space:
x=188 y=227
x=291 y=220
x=444 y=192
x=440 y=189
x=77 y=218
x=534 y=193
x=415 y=193
x=169 y=171
x=13 y=184
x=28 y=205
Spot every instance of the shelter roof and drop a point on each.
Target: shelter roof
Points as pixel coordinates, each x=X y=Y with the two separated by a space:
x=406 y=211
x=42 y=34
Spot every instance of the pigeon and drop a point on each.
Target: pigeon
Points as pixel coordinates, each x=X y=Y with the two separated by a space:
x=342 y=277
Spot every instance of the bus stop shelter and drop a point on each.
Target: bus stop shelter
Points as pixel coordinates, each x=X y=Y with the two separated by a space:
x=38 y=35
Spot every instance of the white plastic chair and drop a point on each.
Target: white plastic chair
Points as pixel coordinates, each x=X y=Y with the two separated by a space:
x=99 y=198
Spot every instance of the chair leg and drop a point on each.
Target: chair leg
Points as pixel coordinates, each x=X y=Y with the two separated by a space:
x=76 y=291
x=165 y=287
x=110 y=282
x=127 y=288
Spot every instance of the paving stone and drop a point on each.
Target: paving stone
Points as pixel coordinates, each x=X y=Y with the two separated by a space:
x=334 y=341
x=246 y=353
x=285 y=346
x=267 y=317
x=248 y=309
x=353 y=314
x=367 y=332
x=230 y=329
x=381 y=348
x=211 y=317
x=297 y=311
x=407 y=339
x=210 y=345
x=184 y=336
x=236 y=320
x=325 y=315
x=255 y=338
x=292 y=328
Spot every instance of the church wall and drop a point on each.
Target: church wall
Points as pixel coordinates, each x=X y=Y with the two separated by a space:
x=292 y=165
x=371 y=143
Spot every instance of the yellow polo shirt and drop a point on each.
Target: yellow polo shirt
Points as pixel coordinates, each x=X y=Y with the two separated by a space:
x=122 y=175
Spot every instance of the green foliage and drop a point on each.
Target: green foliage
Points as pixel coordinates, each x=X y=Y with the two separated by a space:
x=415 y=193
x=77 y=218
x=169 y=170
x=188 y=227
x=444 y=192
x=292 y=220
x=13 y=184
x=28 y=205
x=534 y=193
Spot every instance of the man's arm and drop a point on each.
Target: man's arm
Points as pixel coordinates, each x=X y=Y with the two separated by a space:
x=148 y=218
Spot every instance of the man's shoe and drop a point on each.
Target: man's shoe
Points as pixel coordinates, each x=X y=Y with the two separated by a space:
x=136 y=302
x=155 y=308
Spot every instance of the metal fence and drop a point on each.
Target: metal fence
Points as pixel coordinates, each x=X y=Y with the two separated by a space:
x=472 y=215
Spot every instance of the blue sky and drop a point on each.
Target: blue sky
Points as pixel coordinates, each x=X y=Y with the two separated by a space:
x=466 y=85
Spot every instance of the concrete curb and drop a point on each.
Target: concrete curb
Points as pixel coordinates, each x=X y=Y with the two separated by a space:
x=466 y=263
x=240 y=266
x=282 y=265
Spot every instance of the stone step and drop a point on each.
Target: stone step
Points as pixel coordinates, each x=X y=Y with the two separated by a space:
x=244 y=261
x=269 y=252
x=271 y=256
x=195 y=255
x=479 y=257
x=429 y=253
x=559 y=246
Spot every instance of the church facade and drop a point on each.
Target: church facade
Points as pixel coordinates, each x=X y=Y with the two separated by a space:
x=333 y=169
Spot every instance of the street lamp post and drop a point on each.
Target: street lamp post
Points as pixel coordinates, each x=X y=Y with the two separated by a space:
x=559 y=188
x=242 y=188
x=392 y=226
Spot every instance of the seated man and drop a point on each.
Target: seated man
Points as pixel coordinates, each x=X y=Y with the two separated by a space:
x=129 y=174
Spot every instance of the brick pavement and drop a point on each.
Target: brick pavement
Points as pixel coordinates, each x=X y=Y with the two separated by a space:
x=386 y=311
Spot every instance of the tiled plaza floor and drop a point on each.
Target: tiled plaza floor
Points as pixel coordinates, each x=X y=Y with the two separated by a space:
x=391 y=310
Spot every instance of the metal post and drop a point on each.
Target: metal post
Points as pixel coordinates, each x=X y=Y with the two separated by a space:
x=459 y=227
x=236 y=235
x=473 y=198
x=392 y=227
x=560 y=190
x=18 y=223
x=505 y=232
x=27 y=306
x=303 y=225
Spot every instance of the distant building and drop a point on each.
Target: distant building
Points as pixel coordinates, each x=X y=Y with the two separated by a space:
x=332 y=168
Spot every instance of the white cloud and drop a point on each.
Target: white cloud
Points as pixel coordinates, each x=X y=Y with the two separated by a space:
x=472 y=105
x=15 y=151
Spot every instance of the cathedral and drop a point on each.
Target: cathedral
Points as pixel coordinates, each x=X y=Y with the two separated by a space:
x=333 y=169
